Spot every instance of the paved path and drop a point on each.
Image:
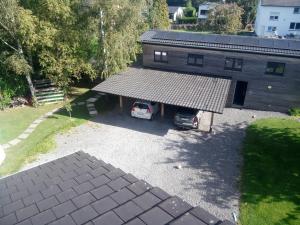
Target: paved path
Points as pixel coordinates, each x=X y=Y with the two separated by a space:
x=153 y=150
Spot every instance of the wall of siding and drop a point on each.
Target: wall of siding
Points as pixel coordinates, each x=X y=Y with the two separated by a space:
x=285 y=92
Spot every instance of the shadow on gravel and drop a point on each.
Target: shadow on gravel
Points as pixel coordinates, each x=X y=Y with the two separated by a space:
x=216 y=156
x=158 y=126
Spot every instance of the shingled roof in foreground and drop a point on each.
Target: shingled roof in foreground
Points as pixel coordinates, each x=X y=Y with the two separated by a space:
x=181 y=89
x=79 y=189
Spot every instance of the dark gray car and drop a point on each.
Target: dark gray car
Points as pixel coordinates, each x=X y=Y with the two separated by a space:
x=188 y=118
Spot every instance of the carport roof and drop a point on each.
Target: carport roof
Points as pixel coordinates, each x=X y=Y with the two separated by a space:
x=181 y=89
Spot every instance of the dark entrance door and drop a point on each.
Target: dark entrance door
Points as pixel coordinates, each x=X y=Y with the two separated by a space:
x=240 y=93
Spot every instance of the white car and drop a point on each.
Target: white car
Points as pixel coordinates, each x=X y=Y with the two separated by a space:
x=144 y=109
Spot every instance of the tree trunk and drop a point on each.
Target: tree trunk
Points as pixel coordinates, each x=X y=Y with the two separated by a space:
x=28 y=77
x=30 y=84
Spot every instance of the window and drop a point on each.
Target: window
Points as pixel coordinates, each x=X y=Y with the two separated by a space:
x=275 y=68
x=274 y=18
x=272 y=29
x=297 y=10
x=233 y=64
x=160 y=56
x=195 y=60
x=294 y=26
x=203 y=12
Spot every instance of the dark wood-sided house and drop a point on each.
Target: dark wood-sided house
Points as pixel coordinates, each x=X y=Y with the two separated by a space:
x=209 y=72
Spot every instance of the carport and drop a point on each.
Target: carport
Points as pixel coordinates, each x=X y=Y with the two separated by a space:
x=189 y=90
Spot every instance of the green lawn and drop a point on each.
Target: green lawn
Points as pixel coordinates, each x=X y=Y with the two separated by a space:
x=42 y=139
x=14 y=121
x=271 y=175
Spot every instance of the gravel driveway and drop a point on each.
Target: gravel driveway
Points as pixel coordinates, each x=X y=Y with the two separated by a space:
x=152 y=150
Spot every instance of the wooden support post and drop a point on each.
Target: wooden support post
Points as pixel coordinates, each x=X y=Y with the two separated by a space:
x=211 y=122
x=121 y=103
x=162 y=110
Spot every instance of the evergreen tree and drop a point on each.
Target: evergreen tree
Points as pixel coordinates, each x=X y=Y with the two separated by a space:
x=159 y=15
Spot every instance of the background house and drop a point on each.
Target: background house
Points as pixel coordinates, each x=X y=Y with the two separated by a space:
x=175 y=12
x=278 y=17
x=204 y=9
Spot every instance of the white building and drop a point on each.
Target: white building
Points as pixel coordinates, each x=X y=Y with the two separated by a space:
x=175 y=12
x=278 y=18
x=204 y=9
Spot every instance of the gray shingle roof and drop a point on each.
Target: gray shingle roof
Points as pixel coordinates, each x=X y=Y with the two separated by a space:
x=180 y=89
x=224 y=42
x=284 y=3
x=79 y=189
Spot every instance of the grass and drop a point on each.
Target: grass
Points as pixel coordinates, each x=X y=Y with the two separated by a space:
x=295 y=111
x=42 y=139
x=15 y=121
x=271 y=173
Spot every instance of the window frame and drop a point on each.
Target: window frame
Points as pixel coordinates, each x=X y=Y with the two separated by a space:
x=296 y=11
x=195 y=57
x=205 y=12
x=234 y=62
x=160 y=60
x=273 y=28
x=274 y=69
x=295 y=26
x=273 y=17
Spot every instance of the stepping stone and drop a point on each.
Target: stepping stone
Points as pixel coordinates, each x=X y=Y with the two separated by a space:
x=93 y=112
x=101 y=94
x=23 y=136
x=6 y=146
x=14 y=142
x=81 y=103
x=90 y=105
x=29 y=130
x=38 y=121
x=49 y=114
x=92 y=100
x=55 y=110
x=34 y=125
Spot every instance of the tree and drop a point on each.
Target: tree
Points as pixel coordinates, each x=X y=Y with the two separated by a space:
x=118 y=25
x=225 y=18
x=17 y=37
x=62 y=48
x=159 y=15
x=189 y=10
x=250 y=7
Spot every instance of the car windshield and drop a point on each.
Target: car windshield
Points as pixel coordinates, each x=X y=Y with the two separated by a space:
x=188 y=111
x=140 y=105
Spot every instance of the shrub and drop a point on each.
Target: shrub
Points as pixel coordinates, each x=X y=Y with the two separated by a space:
x=190 y=12
x=11 y=86
x=187 y=20
x=295 y=111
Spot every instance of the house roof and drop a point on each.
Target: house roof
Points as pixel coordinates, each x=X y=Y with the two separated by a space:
x=209 y=4
x=79 y=189
x=283 y=3
x=180 y=89
x=173 y=9
x=281 y=47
